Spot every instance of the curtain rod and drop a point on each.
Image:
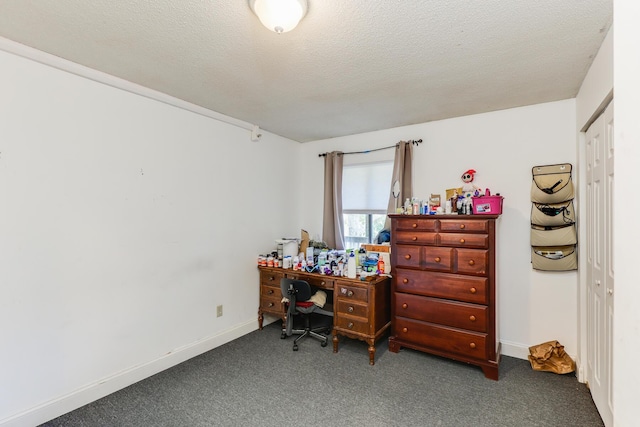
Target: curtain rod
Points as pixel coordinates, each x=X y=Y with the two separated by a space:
x=413 y=141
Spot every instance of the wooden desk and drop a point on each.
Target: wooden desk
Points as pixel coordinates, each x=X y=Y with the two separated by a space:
x=361 y=309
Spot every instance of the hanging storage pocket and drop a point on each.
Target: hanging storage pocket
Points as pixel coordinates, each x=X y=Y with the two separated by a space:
x=552 y=183
x=555 y=258
x=550 y=214
x=553 y=236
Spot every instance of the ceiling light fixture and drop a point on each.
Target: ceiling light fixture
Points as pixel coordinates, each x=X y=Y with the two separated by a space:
x=279 y=16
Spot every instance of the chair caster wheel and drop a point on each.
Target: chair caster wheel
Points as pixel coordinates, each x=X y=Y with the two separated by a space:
x=295 y=348
x=283 y=336
x=323 y=344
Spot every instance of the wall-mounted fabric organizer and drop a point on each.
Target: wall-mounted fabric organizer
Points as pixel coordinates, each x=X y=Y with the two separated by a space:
x=553 y=229
x=553 y=214
x=552 y=184
x=555 y=258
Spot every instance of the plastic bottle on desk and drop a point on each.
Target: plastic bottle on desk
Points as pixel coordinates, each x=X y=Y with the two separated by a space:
x=351 y=266
x=380 y=266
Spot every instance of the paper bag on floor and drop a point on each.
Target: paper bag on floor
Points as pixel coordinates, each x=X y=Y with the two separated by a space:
x=551 y=357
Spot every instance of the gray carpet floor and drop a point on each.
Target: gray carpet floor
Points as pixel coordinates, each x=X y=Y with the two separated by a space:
x=257 y=380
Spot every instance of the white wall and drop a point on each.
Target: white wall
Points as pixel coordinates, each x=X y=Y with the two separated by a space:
x=502 y=146
x=124 y=221
x=595 y=93
x=626 y=344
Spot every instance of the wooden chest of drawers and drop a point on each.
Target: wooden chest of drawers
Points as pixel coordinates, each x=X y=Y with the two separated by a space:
x=361 y=308
x=443 y=298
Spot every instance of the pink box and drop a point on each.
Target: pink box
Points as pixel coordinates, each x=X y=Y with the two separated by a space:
x=487 y=205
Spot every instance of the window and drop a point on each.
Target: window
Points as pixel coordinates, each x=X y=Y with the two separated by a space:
x=365 y=196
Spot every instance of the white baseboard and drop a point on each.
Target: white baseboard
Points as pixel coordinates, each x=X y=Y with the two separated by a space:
x=80 y=397
x=513 y=349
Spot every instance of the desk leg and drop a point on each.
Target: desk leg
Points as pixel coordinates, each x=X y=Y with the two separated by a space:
x=335 y=340
x=260 y=319
x=372 y=352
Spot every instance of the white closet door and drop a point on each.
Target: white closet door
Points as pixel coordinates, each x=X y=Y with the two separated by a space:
x=599 y=221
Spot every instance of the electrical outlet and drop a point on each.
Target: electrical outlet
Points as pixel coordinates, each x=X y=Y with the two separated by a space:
x=219 y=311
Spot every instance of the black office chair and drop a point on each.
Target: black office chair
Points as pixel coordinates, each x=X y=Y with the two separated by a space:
x=298 y=292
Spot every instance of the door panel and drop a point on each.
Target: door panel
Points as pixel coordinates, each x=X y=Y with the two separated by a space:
x=599 y=140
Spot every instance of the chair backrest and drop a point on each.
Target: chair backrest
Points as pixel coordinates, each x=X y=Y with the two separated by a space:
x=295 y=289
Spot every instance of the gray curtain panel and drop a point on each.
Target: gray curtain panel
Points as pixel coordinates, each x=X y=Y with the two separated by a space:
x=332 y=222
x=401 y=187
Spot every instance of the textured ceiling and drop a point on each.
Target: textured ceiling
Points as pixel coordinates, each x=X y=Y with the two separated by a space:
x=349 y=67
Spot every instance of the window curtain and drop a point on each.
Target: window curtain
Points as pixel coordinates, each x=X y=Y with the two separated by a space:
x=332 y=221
x=401 y=188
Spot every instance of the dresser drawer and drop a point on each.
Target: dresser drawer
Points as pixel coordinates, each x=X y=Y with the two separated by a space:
x=443 y=338
x=416 y=237
x=440 y=285
x=472 y=261
x=407 y=256
x=449 y=313
x=467 y=226
x=461 y=240
x=352 y=324
x=351 y=293
x=440 y=259
x=416 y=223
x=352 y=308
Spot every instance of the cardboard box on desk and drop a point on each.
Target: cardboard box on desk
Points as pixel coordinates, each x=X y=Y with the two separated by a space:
x=383 y=251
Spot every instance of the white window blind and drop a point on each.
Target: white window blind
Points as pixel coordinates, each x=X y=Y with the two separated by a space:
x=366 y=187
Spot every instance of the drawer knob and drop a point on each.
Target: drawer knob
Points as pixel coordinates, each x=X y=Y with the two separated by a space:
x=270 y=291
x=437 y=259
x=405 y=280
x=461 y=240
x=270 y=304
x=350 y=309
x=271 y=278
x=414 y=225
x=472 y=318
x=322 y=283
x=472 y=262
x=407 y=256
x=350 y=325
x=405 y=330
x=414 y=238
x=461 y=226
x=473 y=290
x=405 y=305
x=349 y=293
x=472 y=345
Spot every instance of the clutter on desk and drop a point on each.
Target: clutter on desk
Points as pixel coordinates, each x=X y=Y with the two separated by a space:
x=316 y=257
x=468 y=199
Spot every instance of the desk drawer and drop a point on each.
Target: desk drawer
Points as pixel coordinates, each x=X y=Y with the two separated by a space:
x=351 y=308
x=348 y=292
x=270 y=291
x=271 y=278
x=442 y=338
x=352 y=324
x=273 y=305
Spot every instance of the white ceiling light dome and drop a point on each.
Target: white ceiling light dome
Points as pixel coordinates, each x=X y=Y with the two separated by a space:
x=279 y=16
